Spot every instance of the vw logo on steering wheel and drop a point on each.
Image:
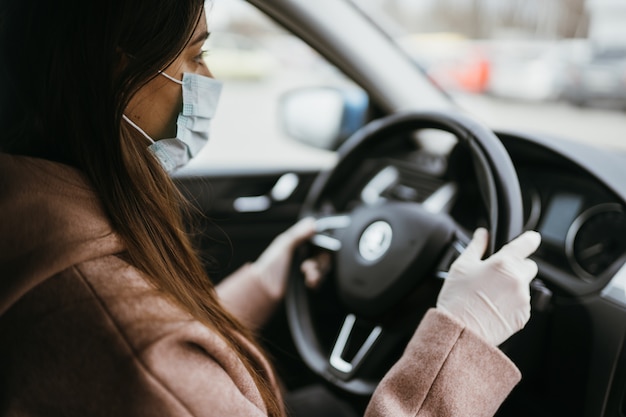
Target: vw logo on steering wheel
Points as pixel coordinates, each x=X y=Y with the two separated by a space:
x=375 y=241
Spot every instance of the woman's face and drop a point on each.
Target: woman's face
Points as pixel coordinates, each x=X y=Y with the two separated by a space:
x=155 y=107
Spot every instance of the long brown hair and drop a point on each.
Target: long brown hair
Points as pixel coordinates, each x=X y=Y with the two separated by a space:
x=66 y=80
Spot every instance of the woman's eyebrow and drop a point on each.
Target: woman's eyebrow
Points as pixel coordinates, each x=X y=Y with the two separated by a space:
x=200 y=38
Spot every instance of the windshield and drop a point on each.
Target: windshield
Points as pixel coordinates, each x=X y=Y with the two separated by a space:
x=556 y=67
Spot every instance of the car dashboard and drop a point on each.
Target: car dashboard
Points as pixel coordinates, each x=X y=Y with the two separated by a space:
x=581 y=216
x=570 y=353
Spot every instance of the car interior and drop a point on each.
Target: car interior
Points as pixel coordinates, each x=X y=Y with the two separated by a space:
x=401 y=149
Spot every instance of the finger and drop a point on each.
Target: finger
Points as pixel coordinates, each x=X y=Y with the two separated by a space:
x=323 y=260
x=301 y=231
x=524 y=245
x=478 y=245
x=312 y=273
x=531 y=269
x=513 y=267
x=316 y=269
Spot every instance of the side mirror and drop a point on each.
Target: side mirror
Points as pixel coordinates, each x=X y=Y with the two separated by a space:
x=323 y=117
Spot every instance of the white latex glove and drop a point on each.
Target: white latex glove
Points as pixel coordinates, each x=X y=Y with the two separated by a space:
x=491 y=297
x=272 y=267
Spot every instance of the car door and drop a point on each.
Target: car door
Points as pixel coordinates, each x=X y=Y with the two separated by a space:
x=239 y=213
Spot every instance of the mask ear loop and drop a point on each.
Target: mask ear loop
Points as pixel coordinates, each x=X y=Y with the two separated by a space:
x=140 y=130
x=133 y=124
x=169 y=77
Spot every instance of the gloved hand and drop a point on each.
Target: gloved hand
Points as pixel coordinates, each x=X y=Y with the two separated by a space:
x=272 y=267
x=491 y=297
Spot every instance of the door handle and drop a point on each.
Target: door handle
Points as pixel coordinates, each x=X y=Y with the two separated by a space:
x=281 y=191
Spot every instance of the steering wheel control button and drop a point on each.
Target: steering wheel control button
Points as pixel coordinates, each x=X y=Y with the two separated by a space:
x=375 y=241
x=326 y=242
x=326 y=227
x=324 y=224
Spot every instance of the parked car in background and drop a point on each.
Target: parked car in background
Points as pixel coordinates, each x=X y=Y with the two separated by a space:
x=453 y=62
x=598 y=80
x=526 y=70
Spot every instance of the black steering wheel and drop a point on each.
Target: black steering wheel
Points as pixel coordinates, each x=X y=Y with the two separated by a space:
x=388 y=254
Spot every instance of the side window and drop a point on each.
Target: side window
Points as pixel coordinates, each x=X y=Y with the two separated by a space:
x=259 y=63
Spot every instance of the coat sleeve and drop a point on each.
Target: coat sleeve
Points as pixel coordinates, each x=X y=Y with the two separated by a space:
x=446 y=370
x=243 y=296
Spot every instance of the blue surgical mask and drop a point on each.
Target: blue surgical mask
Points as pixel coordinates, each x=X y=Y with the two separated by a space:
x=200 y=97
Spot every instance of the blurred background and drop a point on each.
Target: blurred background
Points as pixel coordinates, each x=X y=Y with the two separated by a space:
x=552 y=66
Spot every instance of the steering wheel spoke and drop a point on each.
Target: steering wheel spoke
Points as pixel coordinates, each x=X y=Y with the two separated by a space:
x=457 y=247
x=346 y=368
x=442 y=199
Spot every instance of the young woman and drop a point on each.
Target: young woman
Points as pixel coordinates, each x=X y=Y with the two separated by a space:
x=105 y=308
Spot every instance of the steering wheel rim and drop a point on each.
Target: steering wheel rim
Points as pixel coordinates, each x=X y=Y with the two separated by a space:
x=500 y=185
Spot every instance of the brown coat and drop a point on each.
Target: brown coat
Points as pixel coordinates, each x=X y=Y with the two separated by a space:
x=82 y=333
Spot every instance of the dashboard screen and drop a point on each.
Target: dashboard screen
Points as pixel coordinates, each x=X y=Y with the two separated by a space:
x=561 y=212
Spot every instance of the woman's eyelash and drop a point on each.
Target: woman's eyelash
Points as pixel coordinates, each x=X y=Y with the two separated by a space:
x=203 y=54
